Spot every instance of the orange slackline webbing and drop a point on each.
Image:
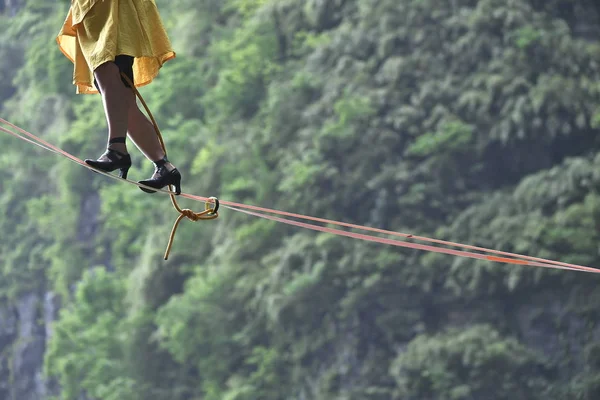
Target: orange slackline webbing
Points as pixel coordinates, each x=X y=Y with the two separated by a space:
x=500 y=256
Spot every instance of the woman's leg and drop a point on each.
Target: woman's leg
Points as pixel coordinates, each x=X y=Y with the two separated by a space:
x=117 y=102
x=124 y=117
x=142 y=133
x=116 y=109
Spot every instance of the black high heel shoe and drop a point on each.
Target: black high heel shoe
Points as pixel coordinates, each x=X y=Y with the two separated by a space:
x=114 y=160
x=163 y=177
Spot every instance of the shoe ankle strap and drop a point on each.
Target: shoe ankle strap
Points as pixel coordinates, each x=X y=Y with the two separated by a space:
x=113 y=141
x=117 y=140
x=161 y=162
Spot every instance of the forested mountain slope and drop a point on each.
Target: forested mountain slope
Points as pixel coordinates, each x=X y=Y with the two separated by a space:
x=465 y=120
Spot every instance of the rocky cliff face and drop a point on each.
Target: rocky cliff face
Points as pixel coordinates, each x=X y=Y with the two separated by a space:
x=11 y=6
x=28 y=349
x=8 y=327
x=26 y=328
x=24 y=331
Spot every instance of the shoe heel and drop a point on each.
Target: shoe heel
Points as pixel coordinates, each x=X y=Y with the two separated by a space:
x=177 y=183
x=123 y=172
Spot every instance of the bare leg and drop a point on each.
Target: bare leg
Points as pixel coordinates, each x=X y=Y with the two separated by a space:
x=142 y=133
x=124 y=117
x=116 y=104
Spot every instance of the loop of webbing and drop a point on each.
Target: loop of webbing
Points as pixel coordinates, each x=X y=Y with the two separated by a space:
x=210 y=212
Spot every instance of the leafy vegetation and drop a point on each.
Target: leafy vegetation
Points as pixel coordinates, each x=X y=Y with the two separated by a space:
x=474 y=121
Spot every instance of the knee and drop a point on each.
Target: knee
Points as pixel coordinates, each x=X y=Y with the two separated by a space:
x=107 y=76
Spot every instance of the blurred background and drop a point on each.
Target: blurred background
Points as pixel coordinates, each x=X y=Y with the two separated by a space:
x=475 y=121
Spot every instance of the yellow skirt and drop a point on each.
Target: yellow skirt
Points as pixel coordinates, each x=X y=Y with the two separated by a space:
x=96 y=31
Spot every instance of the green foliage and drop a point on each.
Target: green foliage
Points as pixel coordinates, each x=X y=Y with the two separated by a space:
x=200 y=304
x=246 y=8
x=473 y=121
x=453 y=137
x=86 y=353
x=305 y=42
x=248 y=60
x=596 y=121
x=527 y=36
x=350 y=111
x=466 y=364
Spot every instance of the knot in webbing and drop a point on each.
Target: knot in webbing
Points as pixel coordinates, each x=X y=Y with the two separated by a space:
x=189 y=214
x=210 y=212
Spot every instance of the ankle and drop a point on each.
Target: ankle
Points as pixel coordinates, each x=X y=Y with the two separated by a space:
x=118 y=147
x=117 y=144
x=163 y=163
